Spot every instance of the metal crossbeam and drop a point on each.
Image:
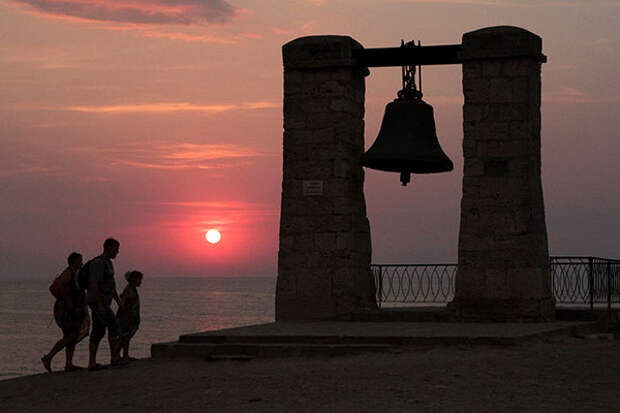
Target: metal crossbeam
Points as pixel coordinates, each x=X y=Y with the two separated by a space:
x=409 y=56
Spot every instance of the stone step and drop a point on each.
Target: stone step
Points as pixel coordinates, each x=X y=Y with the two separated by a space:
x=413 y=314
x=293 y=339
x=245 y=351
x=230 y=357
x=366 y=340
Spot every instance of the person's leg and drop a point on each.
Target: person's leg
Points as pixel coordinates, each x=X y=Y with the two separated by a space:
x=113 y=336
x=69 y=350
x=60 y=344
x=114 y=348
x=92 y=354
x=126 y=349
x=96 y=334
x=47 y=358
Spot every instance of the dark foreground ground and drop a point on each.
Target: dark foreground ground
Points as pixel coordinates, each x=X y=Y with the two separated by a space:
x=553 y=375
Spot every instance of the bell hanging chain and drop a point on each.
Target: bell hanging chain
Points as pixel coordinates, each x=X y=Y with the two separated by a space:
x=409 y=90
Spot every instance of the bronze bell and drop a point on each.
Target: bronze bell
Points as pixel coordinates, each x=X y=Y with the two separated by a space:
x=407 y=142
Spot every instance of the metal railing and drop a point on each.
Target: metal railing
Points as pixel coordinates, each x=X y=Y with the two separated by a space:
x=575 y=280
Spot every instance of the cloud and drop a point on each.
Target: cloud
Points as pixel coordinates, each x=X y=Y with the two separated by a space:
x=521 y=3
x=148 y=12
x=7 y=172
x=179 y=156
x=566 y=94
x=200 y=215
x=163 y=107
x=298 y=30
x=227 y=205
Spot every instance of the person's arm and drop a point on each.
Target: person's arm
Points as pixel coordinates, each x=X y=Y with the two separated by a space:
x=116 y=298
x=96 y=275
x=65 y=292
x=127 y=299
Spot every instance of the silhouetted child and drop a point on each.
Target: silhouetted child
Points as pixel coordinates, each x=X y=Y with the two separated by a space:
x=129 y=312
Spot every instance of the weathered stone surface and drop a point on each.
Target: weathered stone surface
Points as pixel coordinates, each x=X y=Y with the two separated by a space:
x=314 y=52
x=501 y=42
x=503 y=271
x=325 y=250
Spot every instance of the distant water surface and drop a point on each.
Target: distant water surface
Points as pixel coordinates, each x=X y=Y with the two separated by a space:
x=169 y=307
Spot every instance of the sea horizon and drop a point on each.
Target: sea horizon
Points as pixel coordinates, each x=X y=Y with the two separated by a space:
x=170 y=306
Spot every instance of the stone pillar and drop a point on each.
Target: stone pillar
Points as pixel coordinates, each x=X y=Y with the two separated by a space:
x=503 y=264
x=324 y=256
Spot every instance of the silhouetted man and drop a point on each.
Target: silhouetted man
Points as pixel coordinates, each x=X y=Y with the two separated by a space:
x=101 y=291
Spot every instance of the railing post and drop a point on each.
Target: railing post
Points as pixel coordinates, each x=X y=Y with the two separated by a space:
x=380 y=285
x=591 y=282
x=551 y=271
x=609 y=287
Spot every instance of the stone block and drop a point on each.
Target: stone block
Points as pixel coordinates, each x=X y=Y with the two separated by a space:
x=473 y=167
x=527 y=282
x=322 y=120
x=474 y=112
x=472 y=69
x=469 y=148
x=313 y=283
x=310 y=170
x=313 y=106
x=501 y=42
x=522 y=130
x=288 y=259
x=337 y=105
x=344 y=240
x=287 y=283
x=485 y=130
x=287 y=242
x=308 y=205
x=313 y=52
x=322 y=136
x=491 y=68
x=498 y=284
x=501 y=90
x=325 y=241
x=521 y=90
x=502 y=148
x=477 y=90
x=345 y=205
x=342 y=169
x=513 y=112
x=297 y=121
x=331 y=88
x=293 y=76
x=518 y=67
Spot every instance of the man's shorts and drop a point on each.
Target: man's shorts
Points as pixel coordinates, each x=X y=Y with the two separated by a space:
x=100 y=323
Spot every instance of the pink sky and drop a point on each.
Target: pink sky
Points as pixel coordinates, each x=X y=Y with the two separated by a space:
x=152 y=121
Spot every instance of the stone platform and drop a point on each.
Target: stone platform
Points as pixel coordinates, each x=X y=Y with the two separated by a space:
x=281 y=339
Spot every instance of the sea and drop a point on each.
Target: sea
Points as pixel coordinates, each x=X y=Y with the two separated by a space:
x=169 y=307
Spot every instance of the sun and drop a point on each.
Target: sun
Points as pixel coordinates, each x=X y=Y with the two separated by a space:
x=213 y=236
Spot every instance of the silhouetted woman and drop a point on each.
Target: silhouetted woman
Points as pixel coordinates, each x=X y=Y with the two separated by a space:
x=70 y=313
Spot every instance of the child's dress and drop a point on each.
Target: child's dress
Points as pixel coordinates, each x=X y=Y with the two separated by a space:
x=129 y=315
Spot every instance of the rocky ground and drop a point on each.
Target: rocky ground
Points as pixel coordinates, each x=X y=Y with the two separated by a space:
x=561 y=374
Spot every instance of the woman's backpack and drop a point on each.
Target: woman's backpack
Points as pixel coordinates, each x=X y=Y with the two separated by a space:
x=60 y=287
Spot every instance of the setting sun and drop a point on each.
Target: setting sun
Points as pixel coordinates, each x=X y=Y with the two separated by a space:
x=213 y=236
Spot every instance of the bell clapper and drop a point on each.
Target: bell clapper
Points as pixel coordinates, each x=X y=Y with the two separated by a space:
x=405 y=178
